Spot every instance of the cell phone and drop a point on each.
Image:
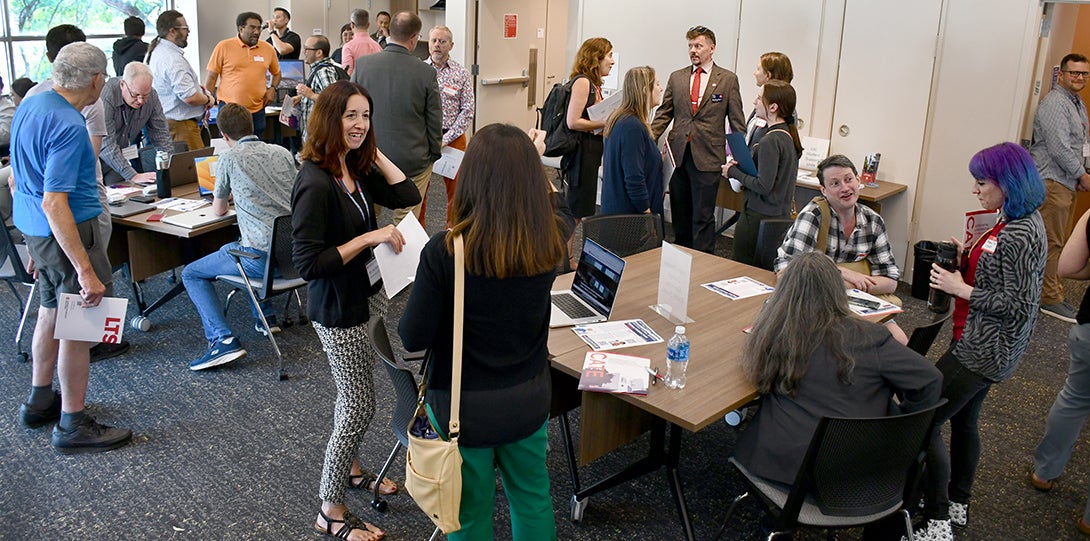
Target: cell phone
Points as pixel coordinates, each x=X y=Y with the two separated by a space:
x=155 y=217
x=865 y=303
x=142 y=199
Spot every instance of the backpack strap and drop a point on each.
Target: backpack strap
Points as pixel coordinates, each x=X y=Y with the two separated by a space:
x=826 y=219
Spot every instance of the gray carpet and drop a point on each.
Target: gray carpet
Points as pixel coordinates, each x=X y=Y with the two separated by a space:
x=231 y=453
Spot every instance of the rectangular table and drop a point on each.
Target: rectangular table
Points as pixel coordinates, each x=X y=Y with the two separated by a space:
x=151 y=248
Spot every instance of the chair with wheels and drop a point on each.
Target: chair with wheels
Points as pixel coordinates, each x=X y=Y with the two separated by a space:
x=279 y=277
x=769 y=238
x=856 y=472
x=624 y=234
x=13 y=258
x=924 y=335
x=405 y=396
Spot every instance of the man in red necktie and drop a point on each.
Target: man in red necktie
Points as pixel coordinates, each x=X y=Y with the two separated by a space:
x=697 y=138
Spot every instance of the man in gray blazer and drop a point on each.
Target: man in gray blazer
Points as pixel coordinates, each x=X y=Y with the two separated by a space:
x=407 y=115
x=703 y=102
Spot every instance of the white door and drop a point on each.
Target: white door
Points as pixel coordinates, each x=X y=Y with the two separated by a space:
x=511 y=61
x=887 y=54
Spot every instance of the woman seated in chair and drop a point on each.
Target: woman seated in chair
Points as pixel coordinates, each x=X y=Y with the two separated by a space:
x=809 y=358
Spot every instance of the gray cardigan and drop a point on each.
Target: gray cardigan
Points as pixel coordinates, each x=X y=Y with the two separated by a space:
x=1006 y=296
x=124 y=126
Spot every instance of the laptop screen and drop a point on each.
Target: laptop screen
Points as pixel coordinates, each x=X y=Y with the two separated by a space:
x=291 y=73
x=206 y=174
x=598 y=277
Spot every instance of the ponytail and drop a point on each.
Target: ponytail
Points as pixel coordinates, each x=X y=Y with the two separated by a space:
x=783 y=95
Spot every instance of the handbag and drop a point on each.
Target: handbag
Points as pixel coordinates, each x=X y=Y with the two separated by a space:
x=433 y=467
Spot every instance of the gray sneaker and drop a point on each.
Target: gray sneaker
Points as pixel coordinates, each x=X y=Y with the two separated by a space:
x=1061 y=310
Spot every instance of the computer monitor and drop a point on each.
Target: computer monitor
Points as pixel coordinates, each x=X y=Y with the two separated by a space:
x=292 y=72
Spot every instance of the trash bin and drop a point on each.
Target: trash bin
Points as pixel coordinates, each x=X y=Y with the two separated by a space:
x=923 y=255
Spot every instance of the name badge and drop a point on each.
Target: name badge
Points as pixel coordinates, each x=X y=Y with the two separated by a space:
x=259 y=58
x=450 y=90
x=373 y=273
x=716 y=98
x=1086 y=150
x=130 y=152
x=989 y=245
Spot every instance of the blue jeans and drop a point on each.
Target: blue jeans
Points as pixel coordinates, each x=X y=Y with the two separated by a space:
x=1068 y=413
x=199 y=276
x=950 y=475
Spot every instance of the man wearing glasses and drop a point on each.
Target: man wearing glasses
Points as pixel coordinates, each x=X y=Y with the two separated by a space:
x=703 y=102
x=1061 y=150
x=239 y=64
x=131 y=106
x=181 y=95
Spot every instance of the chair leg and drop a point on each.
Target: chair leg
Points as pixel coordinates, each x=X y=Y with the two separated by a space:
x=280 y=375
x=227 y=303
x=377 y=503
x=908 y=524
x=730 y=511
x=302 y=313
x=22 y=323
x=435 y=535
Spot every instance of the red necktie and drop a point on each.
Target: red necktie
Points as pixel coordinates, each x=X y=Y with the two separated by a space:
x=694 y=94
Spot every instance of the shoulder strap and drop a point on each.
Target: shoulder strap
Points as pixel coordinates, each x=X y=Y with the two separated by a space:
x=456 y=361
x=826 y=219
x=781 y=130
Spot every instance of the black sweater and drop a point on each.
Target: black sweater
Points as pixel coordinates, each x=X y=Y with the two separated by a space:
x=770 y=192
x=323 y=218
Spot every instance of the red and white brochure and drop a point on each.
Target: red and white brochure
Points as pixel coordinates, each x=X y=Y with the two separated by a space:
x=102 y=323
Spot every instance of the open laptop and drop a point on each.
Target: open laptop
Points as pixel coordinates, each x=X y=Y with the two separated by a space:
x=590 y=299
x=182 y=168
x=206 y=175
x=197 y=218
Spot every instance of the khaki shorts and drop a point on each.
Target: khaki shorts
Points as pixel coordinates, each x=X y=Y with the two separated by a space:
x=56 y=273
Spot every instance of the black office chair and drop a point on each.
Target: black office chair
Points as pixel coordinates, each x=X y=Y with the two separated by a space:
x=279 y=277
x=924 y=335
x=405 y=396
x=856 y=472
x=769 y=238
x=13 y=258
x=624 y=234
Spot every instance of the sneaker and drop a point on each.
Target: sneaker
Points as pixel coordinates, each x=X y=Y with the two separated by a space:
x=36 y=418
x=89 y=436
x=1061 y=310
x=102 y=350
x=937 y=530
x=959 y=514
x=221 y=351
x=274 y=326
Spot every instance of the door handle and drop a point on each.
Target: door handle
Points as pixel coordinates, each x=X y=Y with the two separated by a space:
x=523 y=80
x=844 y=130
x=531 y=96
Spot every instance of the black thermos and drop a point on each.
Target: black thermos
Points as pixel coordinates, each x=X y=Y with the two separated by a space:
x=946 y=257
x=162 y=174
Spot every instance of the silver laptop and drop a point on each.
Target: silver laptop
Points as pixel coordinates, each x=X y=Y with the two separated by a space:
x=593 y=291
x=182 y=168
x=197 y=218
x=128 y=208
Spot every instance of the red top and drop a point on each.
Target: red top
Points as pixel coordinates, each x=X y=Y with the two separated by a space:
x=968 y=271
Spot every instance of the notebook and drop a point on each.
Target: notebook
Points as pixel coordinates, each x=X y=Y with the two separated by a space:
x=737 y=149
x=128 y=208
x=198 y=218
x=590 y=299
x=206 y=175
x=182 y=168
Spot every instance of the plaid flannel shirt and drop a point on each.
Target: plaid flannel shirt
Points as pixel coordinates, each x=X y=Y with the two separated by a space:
x=868 y=240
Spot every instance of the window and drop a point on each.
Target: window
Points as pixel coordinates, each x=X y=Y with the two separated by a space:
x=27 y=21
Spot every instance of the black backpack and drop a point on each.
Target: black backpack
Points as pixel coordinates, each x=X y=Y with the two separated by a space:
x=341 y=75
x=559 y=140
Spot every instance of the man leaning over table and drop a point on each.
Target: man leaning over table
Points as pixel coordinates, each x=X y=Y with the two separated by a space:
x=259 y=176
x=239 y=65
x=856 y=234
x=132 y=108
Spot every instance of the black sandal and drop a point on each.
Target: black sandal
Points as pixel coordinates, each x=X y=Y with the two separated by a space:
x=350 y=522
x=366 y=480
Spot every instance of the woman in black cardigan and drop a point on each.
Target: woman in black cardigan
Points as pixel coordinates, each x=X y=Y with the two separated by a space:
x=333 y=232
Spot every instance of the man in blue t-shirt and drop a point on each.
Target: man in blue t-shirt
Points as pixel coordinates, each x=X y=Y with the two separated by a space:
x=56 y=206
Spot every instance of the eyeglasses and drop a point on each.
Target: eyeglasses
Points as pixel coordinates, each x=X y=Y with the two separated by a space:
x=182 y=27
x=134 y=96
x=1079 y=74
x=311 y=49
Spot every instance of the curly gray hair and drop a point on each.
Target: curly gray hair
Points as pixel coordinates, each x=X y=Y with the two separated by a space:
x=77 y=64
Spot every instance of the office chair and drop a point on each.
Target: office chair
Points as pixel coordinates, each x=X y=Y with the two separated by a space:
x=624 y=234
x=12 y=270
x=856 y=472
x=279 y=277
x=924 y=335
x=406 y=390
x=769 y=238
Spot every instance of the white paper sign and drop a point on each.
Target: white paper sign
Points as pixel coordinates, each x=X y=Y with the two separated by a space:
x=102 y=323
x=675 y=268
x=813 y=151
x=449 y=163
x=399 y=270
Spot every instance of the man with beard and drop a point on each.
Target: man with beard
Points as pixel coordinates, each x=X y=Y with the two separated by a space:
x=239 y=65
x=183 y=98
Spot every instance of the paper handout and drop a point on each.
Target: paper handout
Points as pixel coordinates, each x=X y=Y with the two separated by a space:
x=399 y=270
x=102 y=323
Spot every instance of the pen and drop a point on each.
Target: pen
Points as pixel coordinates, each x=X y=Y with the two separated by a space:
x=655 y=374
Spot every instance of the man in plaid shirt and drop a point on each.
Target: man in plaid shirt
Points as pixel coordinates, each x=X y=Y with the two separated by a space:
x=322 y=74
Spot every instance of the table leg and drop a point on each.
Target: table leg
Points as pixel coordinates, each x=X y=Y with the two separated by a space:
x=654 y=460
x=673 y=477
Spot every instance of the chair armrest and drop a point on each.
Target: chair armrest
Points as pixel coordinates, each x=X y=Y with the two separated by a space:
x=415 y=355
x=240 y=253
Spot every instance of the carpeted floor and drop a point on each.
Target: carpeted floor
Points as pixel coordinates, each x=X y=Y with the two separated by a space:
x=231 y=453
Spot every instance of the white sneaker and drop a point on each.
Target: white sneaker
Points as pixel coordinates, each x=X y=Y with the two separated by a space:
x=959 y=514
x=936 y=530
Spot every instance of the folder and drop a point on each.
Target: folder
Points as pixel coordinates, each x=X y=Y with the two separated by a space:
x=737 y=148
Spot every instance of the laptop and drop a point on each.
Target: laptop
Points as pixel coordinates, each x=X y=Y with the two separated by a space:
x=182 y=168
x=590 y=299
x=197 y=218
x=128 y=208
x=206 y=175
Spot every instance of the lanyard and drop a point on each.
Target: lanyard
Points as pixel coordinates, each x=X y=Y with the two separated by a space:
x=363 y=213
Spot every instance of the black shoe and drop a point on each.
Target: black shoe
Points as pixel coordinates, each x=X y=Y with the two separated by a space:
x=89 y=437
x=36 y=418
x=102 y=350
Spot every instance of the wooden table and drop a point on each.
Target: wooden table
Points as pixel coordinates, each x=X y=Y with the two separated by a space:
x=151 y=248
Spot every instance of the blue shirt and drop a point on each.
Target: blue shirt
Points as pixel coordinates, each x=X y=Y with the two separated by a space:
x=51 y=152
x=174 y=80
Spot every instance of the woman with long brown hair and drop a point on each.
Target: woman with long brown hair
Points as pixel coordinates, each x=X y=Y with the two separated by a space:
x=632 y=172
x=514 y=226
x=333 y=233
x=593 y=62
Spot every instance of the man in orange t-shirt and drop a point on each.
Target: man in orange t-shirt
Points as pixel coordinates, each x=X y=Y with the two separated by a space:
x=240 y=65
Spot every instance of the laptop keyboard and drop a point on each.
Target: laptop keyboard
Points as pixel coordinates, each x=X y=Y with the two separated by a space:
x=571 y=306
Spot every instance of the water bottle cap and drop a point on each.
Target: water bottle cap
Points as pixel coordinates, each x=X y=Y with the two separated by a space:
x=680 y=329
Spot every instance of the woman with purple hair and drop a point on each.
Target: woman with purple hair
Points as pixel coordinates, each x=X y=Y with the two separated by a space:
x=996 y=291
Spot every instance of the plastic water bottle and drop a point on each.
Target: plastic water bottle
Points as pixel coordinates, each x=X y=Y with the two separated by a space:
x=677 y=358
